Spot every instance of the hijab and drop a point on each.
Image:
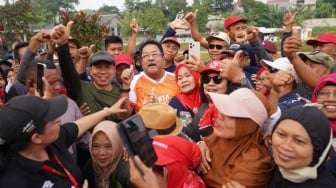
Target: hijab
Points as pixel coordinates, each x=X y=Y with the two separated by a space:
x=192 y=99
x=330 y=79
x=109 y=128
x=243 y=158
x=318 y=129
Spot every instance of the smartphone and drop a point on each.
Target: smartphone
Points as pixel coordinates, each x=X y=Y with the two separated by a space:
x=137 y=139
x=194 y=49
x=41 y=67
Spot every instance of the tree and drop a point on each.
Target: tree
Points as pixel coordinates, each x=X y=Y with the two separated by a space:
x=221 y=6
x=324 y=9
x=87 y=28
x=171 y=7
x=105 y=9
x=153 y=20
x=202 y=16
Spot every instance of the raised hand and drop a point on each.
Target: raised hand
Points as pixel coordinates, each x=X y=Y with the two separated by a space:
x=252 y=34
x=147 y=179
x=85 y=52
x=191 y=17
x=127 y=76
x=60 y=34
x=232 y=69
x=289 y=18
x=195 y=64
x=134 y=26
x=179 y=22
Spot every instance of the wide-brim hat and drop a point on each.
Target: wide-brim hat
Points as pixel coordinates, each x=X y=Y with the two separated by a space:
x=162 y=118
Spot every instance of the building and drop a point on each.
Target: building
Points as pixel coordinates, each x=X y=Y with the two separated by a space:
x=292 y=3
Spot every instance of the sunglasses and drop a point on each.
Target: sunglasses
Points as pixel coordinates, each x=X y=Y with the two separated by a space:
x=218 y=47
x=216 y=79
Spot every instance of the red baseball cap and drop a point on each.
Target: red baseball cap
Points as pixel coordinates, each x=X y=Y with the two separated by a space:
x=171 y=39
x=323 y=38
x=232 y=20
x=123 y=59
x=212 y=66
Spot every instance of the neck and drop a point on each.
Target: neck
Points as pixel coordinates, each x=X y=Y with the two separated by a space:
x=157 y=76
x=36 y=153
x=167 y=63
x=106 y=87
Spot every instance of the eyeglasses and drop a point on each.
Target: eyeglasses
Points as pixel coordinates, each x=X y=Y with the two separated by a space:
x=216 y=79
x=324 y=94
x=218 y=47
x=153 y=54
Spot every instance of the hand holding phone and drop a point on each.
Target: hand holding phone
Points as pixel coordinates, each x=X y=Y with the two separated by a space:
x=137 y=140
x=194 y=49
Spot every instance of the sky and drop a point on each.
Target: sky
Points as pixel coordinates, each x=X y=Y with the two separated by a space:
x=96 y=4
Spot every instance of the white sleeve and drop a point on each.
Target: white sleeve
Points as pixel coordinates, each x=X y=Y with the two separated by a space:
x=270 y=122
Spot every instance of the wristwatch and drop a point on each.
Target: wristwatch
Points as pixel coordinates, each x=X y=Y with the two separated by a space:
x=243 y=81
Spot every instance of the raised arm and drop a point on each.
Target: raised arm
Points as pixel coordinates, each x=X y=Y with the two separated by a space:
x=191 y=19
x=40 y=37
x=288 y=21
x=60 y=35
x=132 y=40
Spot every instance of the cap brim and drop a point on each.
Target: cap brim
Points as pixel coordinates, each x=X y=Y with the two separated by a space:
x=6 y=63
x=236 y=108
x=58 y=106
x=206 y=70
x=173 y=41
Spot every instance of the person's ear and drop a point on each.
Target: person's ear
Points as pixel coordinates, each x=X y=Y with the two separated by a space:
x=36 y=139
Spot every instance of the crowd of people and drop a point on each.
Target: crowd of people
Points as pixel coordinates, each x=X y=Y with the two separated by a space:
x=253 y=116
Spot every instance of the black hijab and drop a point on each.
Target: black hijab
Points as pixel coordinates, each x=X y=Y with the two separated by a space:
x=319 y=131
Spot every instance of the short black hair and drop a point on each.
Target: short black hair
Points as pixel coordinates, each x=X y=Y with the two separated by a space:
x=18 y=47
x=112 y=39
x=153 y=42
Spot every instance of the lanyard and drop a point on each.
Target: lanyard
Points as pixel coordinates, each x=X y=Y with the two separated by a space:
x=67 y=174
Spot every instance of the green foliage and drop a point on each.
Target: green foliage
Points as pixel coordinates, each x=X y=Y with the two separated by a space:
x=16 y=16
x=108 y=10
x=202 y=16
x=171 y=7
x=221 y=6
x=153 y=20
x=324 y=9
x=87 y=28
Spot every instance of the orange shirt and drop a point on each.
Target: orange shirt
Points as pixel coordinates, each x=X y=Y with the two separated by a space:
x=142 y=86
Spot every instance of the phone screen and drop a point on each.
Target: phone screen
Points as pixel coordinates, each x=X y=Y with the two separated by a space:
x=136 y=139
x=40 y=73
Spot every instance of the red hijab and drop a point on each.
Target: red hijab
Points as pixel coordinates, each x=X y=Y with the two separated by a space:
x=330 y=79
x=191 y=100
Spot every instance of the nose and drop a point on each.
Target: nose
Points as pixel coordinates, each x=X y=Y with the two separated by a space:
x=287 y=145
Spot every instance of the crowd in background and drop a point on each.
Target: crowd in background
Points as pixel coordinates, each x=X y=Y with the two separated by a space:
x=253 y=116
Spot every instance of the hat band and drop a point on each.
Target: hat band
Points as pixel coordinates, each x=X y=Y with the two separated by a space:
x=166 y=131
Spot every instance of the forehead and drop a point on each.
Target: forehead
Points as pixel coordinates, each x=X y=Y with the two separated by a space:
x=170 y=43
x=237 y=25
x=150 y=48
x=114 y=45
x=217 y=41
x=52 y=72
x=329 y=87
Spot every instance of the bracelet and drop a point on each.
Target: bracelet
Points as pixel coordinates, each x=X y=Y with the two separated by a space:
x=107 y=111
x=121 y=90
x=199 y=142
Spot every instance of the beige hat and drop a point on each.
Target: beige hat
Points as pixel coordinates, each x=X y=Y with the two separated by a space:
x=220 y=36
x=162 y=118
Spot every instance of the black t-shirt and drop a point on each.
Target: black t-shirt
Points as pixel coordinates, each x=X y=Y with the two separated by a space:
x=23 y=172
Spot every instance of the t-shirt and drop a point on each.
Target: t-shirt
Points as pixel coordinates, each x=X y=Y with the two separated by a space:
x=26 y=173
x=142 y=86
x=98 y=99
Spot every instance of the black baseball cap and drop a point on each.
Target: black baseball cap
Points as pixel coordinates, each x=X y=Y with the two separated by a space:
x=23 y=115
x=102 y=56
